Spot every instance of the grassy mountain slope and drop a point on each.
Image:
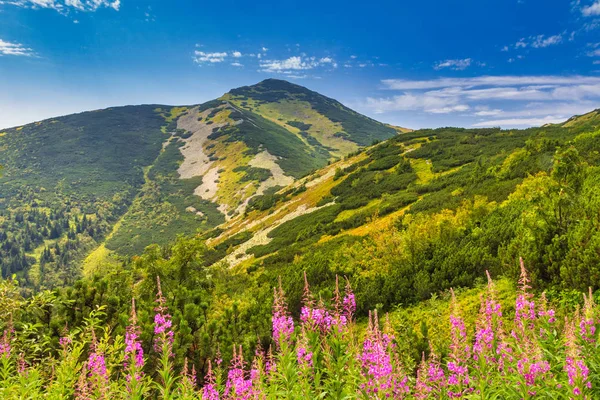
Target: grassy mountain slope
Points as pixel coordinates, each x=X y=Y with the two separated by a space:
x=105 y=184
x=232 y=149
x=588 y=122
x=451 y=203
x=329 y=123
x=65 y=181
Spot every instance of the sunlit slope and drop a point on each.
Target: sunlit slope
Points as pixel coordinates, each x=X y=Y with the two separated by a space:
x=384 y=187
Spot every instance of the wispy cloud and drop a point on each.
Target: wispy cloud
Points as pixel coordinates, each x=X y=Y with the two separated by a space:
x=295 y=63
x=457 y=65
x=521 y=121
x=536 y=42
x=201 y=57
x=14 y=49
x=592 y=9
x=426 y=102
x=542 y=41
x=63 y=6
x=510 y=100
x=486 y=80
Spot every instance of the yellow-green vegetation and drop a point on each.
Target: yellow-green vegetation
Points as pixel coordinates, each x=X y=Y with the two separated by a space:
x=231 y=190
x=432 y=312
x=284 y=111
x=422 y=169
x=371 y=206
x=172 y=113
x=99 y=260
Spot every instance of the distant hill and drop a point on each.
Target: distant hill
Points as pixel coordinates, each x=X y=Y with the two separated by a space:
x=586 y=122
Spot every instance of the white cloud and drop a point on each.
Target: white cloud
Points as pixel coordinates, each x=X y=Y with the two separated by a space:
x=295 y=63
x=200 y=57
x=265 y=49
x=521 y=44
x=483 y=111
x=541 y=41
x=64 y=6
x=538 y=41
x=594 y=53
x=237 y=64
x=457 y=65
x=550 y=119
x=511 y=100
x=236 y=54
x=416 y=101
x=592 y=9
x=486 y=80
x=14 y=49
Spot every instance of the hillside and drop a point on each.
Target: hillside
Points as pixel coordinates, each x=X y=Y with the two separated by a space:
x=449 y=201
x=105 y=184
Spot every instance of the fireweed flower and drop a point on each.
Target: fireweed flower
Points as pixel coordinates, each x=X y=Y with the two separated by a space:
x=587 y=323
x=575 y=366
x=5 y=347
x=546 y=316
x=209 y=391
x=314 y=317
x=530 y=363
x=349 y=302
x=97 y=365
x=422 y=388
x=64 y=341
x=303 y=353
x=237 y=386
x=430 y=377
x=376 y=360
x=525 y=314
x=134 y=353
x=283 y=324
x=188 y=377
x=162 y=322
x=489 y=342
x=460 y=352
x=270 y=365
x=97 y=373
x=21 y=364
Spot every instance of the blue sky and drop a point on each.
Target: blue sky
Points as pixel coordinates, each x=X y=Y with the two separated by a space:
x=509 y=63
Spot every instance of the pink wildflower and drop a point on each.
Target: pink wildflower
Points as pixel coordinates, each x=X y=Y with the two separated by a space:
x=303 y=353
x=283 y=324
x=162 y=322
x=460 y=352
x=5 y=347
x=587 y=324
x=349 y=302
x=133 y=347
x=376 y=359
x=237 y=386
x=209 y=391
x=577 y=371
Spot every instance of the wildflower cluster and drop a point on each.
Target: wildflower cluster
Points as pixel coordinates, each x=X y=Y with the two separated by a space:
x=326 y=355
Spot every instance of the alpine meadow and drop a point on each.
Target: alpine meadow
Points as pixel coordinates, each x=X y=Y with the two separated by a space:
x=277 y=243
